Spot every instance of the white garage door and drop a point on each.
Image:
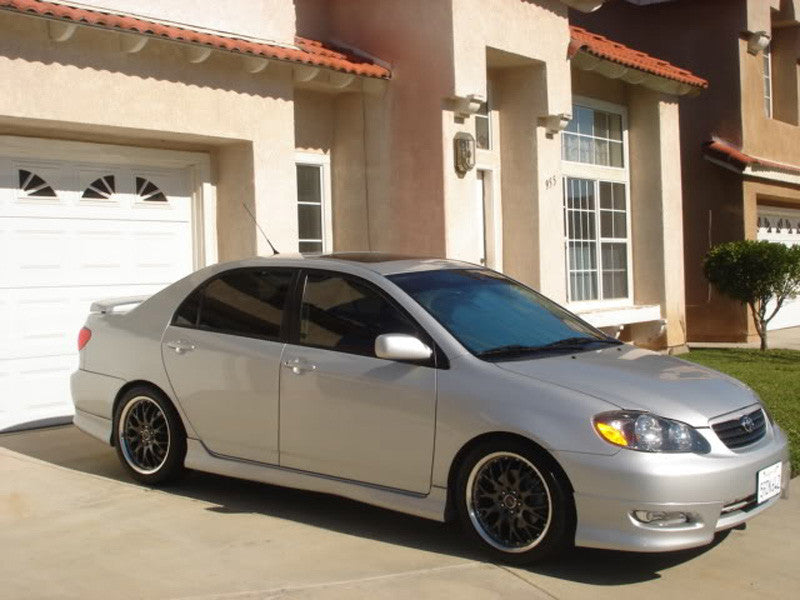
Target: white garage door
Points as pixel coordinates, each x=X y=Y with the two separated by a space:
x=781 y=225
x=71 y=233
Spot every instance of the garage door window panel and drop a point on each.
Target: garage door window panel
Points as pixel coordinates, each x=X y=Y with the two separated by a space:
x=32 y=185
x=102 y=188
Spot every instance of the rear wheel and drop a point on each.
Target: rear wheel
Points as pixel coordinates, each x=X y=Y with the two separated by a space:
x=149 y=436
x=513 y=502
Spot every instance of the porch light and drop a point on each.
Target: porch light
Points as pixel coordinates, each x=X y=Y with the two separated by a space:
x=464 y=152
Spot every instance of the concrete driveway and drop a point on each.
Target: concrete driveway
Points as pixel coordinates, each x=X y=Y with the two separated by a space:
x=72 y=525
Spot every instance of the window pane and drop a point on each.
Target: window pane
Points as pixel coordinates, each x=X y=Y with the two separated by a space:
x=615 y=285
x=570 y=147
x=309 y=221
x=606 y=195
x=586 y=150
x=585 y=120
x=308 y=183
x=345 y=315
x=310 y=247
x=246 y=302
x=482 y=140
x=615 y=126
x=601 y=156
x=619 y=197
x=615 y=270
x=600 y=124
x=615 y=149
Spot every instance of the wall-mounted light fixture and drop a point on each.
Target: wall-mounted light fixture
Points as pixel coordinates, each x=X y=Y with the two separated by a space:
x=464 y=152
x=757 y=41
x=555 y=123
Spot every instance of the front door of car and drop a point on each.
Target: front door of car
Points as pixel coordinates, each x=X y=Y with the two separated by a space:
x=222 y=355
x=345 y=412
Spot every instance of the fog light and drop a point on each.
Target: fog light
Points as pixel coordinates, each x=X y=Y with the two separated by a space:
x=661 y=518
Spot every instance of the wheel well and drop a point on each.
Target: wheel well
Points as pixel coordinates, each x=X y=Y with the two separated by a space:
x=495 y=437
x=139 y=383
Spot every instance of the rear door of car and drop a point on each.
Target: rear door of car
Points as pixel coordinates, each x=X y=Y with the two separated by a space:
x=343 y=411
x=222 y=354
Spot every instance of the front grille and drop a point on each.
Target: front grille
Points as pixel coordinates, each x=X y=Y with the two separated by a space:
x=734 y=434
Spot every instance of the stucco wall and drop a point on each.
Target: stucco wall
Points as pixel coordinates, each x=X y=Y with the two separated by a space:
x=259 y=19
x=402 y=126
x=155 y=97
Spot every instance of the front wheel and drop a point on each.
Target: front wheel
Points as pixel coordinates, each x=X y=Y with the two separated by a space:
x=514 y=503
x=149 y=436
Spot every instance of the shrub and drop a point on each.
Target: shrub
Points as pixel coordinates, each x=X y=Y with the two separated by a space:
x=755 y=273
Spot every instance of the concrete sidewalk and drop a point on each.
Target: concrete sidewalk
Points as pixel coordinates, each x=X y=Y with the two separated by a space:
x=72 y=526
x=780 y=339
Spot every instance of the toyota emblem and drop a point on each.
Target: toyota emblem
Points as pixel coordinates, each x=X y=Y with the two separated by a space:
x=747 y=423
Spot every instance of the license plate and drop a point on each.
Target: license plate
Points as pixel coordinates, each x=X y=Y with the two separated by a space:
x=769 y=482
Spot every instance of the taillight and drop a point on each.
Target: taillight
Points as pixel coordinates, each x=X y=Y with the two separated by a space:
x=83 y=337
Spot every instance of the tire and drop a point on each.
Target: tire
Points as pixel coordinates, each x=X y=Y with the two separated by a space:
x=149 y=436
x=514 y=503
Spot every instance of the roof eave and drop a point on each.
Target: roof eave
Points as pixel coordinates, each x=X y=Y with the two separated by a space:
x=585 y=60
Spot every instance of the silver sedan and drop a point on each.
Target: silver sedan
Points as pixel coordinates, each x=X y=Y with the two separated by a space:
x=431 y=387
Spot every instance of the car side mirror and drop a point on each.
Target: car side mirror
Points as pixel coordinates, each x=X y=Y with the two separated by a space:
x=401 y=346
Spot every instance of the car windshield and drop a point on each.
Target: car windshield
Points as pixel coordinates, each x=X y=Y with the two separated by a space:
x=495 y=317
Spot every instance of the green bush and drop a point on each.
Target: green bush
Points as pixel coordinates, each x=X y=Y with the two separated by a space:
x=755 y=273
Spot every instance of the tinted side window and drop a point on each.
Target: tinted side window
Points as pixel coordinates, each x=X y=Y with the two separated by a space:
x=186 y=315
x=346 y=315
x=246 y=302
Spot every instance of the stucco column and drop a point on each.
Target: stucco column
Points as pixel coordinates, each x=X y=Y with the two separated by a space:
x=533 y=229
x=656 y=211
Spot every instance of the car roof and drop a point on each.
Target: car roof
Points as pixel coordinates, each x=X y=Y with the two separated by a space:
x=383 y=263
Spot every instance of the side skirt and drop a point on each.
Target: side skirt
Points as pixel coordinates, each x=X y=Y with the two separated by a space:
x=431 y=506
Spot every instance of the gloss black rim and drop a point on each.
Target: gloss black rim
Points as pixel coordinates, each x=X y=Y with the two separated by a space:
x=509 y=502
x=144 y=435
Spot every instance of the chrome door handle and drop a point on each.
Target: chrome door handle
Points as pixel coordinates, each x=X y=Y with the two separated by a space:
x=180 y=346
x=299 y=366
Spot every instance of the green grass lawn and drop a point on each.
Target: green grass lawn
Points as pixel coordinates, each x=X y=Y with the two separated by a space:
x=774 y=375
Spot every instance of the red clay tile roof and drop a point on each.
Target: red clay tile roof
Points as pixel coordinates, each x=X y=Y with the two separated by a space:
x=308 y=52
x=726 y=152
x=602 y=47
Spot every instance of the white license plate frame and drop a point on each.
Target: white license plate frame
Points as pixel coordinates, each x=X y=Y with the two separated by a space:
x=768 y=482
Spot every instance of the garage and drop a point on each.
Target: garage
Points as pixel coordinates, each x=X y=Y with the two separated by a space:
x=80 y=222
x=781 y=225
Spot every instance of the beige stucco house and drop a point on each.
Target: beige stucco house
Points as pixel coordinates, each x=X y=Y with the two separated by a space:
x=142 y=140
x=740 y=141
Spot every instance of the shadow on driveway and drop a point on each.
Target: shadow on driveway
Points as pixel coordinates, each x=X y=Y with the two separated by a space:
x=67 y=447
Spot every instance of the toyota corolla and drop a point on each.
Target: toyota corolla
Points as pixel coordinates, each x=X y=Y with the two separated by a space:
x=432 y=387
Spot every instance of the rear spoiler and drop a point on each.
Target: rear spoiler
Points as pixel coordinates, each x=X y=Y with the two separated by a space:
x=108 y=305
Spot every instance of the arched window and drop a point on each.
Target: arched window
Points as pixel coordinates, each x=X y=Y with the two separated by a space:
x=34 y=186
x=101 y=189
x=149 y=191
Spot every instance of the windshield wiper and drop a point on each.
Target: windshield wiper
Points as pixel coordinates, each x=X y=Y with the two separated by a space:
x=568 y=343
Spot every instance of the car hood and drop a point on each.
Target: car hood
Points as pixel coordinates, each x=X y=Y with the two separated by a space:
x=636 y=379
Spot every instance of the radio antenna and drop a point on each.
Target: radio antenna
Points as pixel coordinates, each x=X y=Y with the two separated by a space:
x=252 y=216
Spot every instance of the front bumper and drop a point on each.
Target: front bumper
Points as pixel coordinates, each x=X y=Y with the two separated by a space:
x=716 y=491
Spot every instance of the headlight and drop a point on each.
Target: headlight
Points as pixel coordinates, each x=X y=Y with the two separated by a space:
x=648 y=433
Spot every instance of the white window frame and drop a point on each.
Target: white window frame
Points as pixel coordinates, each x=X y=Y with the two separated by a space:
x=323 y=161
x=769 y=95
x=599 y=173
x=489 y=124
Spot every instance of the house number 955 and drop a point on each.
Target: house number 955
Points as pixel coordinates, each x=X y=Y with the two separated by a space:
x=550 y=182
